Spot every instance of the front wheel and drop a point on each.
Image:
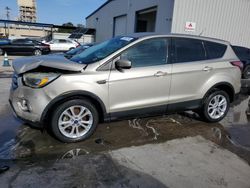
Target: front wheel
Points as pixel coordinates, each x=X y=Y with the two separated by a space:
x=37 y=52
x=216 y=106
x=74 y=120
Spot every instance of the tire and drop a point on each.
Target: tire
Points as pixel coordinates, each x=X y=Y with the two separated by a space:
x=246 y=72
x=71 y=49
x=1 y=52
x=37 y=52
x=211 y=110
x=63 y=117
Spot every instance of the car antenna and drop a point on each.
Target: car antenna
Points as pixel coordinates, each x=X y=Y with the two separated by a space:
x=202 y=31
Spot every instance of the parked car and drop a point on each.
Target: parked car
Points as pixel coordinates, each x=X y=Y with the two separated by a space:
x=4 y=41
x=25 y=46
x=244 y=55
x=62 y=44
x=78 y=50
x=69 y=54
x=126 y=77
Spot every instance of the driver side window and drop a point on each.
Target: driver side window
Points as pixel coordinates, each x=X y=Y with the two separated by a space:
x=150 y=52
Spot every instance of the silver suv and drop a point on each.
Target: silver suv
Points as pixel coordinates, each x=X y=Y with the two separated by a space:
x=125 y=77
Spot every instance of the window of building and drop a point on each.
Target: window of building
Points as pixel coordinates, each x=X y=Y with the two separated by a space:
x=145 y=20
x=188 y=50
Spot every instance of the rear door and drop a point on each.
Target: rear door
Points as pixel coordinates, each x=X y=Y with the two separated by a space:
x=54 y=45
x=27 y=46
x=14 y=47
x=145 y=87
x=190 y=69
x=64 y=45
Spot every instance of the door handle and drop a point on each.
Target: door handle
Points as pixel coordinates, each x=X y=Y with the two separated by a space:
x=160 y=73
x=207 y=68
x=102 y=82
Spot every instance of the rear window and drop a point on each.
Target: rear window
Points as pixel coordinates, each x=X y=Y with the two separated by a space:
x=241 y=52
x=188 y=50
x=214 y=50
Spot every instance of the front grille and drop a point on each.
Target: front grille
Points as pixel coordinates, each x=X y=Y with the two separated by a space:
x=14 y=81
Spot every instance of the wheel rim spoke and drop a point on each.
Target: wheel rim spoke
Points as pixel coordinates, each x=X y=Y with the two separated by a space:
x=81 y=115
x=68 y=114
x=72 y=130
x=84 y=126
x=72 y=111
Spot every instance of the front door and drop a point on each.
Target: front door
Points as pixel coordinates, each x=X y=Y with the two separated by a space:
x=145 y=87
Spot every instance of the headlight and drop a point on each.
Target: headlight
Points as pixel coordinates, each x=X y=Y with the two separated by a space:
x=38 y=80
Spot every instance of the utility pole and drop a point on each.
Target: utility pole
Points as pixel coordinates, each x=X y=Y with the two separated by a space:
x=8 y=18
x=7 y=12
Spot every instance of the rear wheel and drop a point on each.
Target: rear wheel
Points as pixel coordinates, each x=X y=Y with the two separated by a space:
x=74 y=120
x=215 y=107
x=71 y=49
x=37 y=52
x=246 y=72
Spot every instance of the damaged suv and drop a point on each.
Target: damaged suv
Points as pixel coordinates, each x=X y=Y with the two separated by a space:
x=126 y=77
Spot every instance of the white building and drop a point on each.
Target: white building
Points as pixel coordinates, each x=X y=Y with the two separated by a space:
x=224 y=19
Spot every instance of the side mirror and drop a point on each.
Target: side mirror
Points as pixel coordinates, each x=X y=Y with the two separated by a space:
x=123 y=64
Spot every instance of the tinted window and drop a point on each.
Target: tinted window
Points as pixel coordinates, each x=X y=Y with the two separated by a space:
x=55 y=41
x=215 y=50
x=187 y=50
x=28 y=42
x=62 y=41
x=147 y=53
x=241 y=52
x=18 y=41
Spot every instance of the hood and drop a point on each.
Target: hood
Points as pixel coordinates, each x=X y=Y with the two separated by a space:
x=23 y=65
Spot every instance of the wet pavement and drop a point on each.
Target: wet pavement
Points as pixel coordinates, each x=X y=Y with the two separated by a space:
x=18 y=141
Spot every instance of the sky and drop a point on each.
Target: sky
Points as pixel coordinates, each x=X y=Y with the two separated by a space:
x=55 y=11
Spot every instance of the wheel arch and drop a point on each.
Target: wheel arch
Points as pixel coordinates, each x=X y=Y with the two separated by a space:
x=224 y=86
x=95 y=100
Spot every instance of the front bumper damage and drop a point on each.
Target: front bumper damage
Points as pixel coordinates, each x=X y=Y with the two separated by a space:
x=28 y=104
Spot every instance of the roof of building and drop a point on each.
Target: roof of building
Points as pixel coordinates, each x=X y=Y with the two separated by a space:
x=103 y=5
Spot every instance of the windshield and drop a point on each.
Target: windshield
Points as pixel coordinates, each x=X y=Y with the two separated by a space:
x=102 y=50
x=77 y=50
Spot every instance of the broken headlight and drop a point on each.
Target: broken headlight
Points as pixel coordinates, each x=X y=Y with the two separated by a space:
x=38 y=80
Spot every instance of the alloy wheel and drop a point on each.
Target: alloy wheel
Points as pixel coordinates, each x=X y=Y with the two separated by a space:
x=37 y=52
x=75 y=121
x=217 y=107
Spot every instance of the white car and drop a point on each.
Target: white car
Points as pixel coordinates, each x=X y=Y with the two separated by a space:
x=62 y=44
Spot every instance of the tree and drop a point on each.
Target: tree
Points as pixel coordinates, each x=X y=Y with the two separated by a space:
x=65 y=29
x=80 y=25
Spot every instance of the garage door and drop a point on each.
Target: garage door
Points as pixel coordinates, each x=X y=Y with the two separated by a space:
x=120 y=25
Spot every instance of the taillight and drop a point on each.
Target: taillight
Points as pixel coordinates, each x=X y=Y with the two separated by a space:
x=238 y=64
